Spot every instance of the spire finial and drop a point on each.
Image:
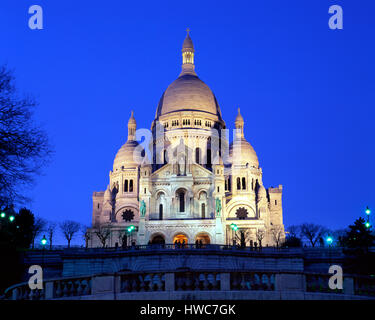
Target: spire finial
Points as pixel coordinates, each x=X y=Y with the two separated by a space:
x=239 y=124
x=188 y=55
x=132 y=127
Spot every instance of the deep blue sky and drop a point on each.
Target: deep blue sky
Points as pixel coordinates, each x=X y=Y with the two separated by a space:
x=306 y=92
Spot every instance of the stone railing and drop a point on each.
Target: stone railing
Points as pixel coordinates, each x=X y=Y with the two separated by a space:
x=191 y=281
x=318 y=282
x=252 y=281
x=145 y=282
x=52 y=289
x=364 y=286
x=167 y=247
x=171 y=284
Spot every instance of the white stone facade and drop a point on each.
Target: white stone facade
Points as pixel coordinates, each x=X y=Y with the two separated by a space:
x=194 y=184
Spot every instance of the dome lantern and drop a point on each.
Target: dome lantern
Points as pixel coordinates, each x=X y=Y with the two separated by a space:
x=188 y=55
x=132 y=127
x=239 y=124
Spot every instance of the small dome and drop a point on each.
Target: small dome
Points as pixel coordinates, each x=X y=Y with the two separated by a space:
x=247 y=155
x=132 y=119
x=188 y=43
x=239 y=120
x=108 y=194
x=188 y=92
x=129 y=156
x=262 y=191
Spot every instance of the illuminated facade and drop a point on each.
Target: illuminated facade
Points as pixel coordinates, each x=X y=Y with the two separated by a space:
x=190 y=184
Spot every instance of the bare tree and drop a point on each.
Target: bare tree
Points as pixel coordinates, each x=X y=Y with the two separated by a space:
x=39 y=226
x=242 y=236
x=312 y=232
x=86 y=235
x=294 y=231
x=69 y=228
x=103 y=232
x=260 y=234
x=24 y=147
x=277 y=233
x=51 y=227
x=122 y=238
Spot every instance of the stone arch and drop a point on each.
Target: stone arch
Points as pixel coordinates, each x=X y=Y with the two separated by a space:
x=202 y=194
x=132 y=207
x=181 y=195
x=156 y=238
x=180 y=236
x=204 y=236
x=233 y=206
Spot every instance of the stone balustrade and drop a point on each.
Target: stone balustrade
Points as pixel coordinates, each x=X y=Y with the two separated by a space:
x=165 y=285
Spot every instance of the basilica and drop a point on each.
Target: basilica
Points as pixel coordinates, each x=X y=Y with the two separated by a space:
x=189 y=183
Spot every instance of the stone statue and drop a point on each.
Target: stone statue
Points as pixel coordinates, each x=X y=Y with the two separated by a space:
x=218 y=207
x=143 y=208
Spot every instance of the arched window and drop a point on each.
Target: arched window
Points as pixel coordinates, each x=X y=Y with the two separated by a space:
x=126 y=186
x=161 y=211
x=209 y=160
x=243 y=183
x=203 y=209
x=181 y=198
x=131 y=186
x=238 y=184
x=198 y=155
x=165 y=156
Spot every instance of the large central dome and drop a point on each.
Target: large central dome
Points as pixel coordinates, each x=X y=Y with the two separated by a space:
x=188 y=92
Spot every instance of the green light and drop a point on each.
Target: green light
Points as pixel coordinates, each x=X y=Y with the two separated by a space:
x=131 y=228
x=329 y=240
x=2 y=215
x=43 y=241
x=367 y=225
x=11 y=218
x=368 y=211
x=234 y=227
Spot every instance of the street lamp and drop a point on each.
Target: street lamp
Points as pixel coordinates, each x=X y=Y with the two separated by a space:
x=234 y=228
x=368 y=211
x=130 y=229
x=2 y=215
x=43 y=241
x=329 y=240
x=11 y=218
x=367 y=225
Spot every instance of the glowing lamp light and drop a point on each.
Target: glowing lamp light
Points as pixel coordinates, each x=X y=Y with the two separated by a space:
x=2 y=215
x=329 y=240
x=11 y=218
x=43 y=241
x=368 y=211
x=131 y=228
x=367 y=225
x=234 y=227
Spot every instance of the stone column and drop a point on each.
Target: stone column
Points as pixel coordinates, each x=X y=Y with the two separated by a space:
x=49 y=290
x=219 y=232
x=141 y=235
x=169 y=282
x=348 y=286
x=290 y=282
x=225 y=281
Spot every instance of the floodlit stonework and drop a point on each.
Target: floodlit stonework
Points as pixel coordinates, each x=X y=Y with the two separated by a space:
x=189 y=183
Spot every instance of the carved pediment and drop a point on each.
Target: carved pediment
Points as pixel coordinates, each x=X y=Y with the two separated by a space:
x=199 y=171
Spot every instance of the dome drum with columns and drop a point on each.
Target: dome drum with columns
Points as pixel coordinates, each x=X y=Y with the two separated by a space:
x=197 y=184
